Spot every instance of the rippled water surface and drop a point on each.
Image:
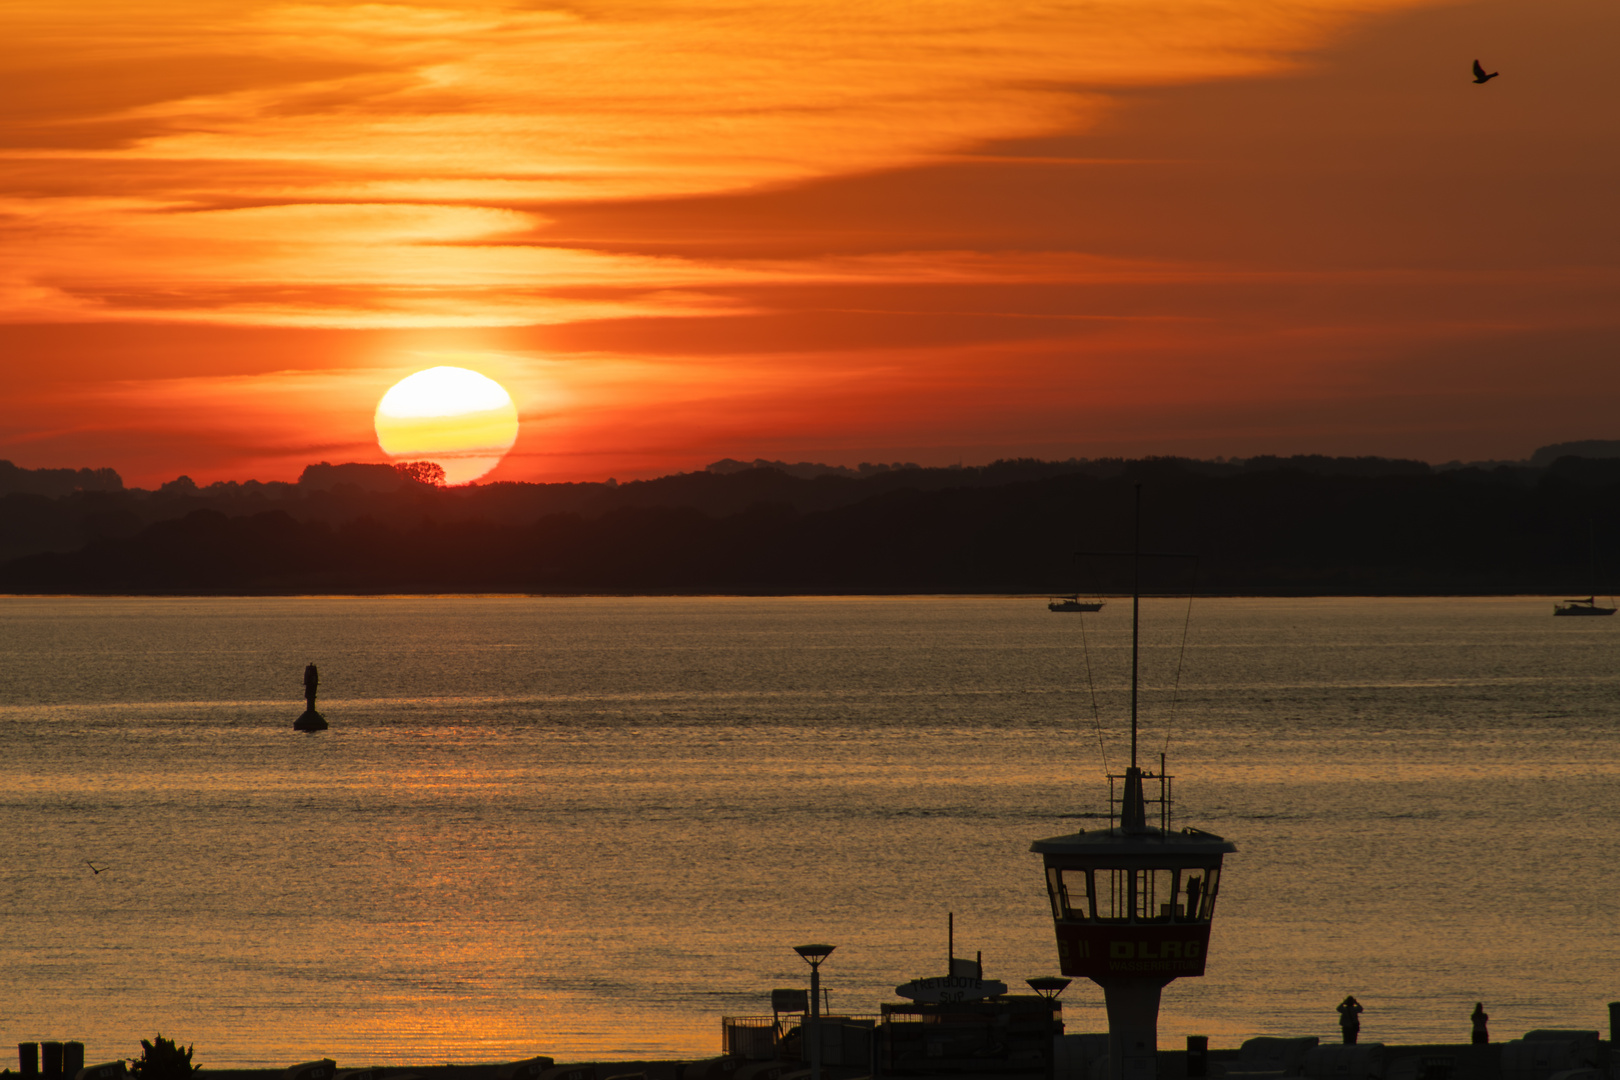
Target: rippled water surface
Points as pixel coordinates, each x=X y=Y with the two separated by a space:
x=592 y=827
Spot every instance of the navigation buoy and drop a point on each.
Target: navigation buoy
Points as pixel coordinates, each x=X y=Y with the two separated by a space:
x=311 y=720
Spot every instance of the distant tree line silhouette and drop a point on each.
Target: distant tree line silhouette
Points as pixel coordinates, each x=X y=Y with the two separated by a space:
x=1351 y=526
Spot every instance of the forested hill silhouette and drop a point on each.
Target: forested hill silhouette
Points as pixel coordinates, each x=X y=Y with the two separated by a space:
x=54 y=483
x=1262 y=526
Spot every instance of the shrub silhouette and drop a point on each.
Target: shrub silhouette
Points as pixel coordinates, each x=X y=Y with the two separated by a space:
x=423 y=472
x=163 y=1059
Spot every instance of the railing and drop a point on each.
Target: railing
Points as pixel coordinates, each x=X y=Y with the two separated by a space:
x=1116 y=797
x=777 y=1038
x=755 y=1038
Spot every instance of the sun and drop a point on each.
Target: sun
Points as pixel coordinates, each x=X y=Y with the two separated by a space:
x=462 y=420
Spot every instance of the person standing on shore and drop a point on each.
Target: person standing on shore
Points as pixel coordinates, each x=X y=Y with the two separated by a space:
x=1350 y=1020
x=1481 y=1035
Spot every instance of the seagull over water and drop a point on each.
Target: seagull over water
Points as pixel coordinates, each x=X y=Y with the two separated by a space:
x=94 y=869
x=1480 y=75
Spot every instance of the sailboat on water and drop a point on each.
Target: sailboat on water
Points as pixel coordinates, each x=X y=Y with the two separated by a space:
x=1588 y=606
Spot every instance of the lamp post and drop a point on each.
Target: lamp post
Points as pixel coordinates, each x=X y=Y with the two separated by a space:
x=1049 y=987
x=814 y=955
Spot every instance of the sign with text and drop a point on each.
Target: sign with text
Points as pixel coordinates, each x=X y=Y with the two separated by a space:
x=790 y=1001
x=950 y=988
x=1175 y=950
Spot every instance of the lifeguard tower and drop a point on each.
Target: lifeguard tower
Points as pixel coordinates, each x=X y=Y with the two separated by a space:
x=1132 y=904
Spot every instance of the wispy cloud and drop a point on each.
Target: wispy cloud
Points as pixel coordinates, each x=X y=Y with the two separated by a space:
x=386 y=164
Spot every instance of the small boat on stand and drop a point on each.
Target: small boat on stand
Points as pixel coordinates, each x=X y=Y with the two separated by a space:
x=1588 y=606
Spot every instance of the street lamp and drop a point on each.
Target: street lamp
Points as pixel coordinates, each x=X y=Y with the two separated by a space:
x=814 y=955
x=1049 y=987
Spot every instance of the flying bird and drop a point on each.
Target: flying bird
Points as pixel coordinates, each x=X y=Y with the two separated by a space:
x=94 y=869
x=1480 y=75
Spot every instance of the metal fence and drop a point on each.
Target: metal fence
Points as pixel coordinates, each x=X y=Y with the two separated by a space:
x=845 y=1040
x=755 y=1038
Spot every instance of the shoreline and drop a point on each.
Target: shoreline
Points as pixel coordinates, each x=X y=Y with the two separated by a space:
x=764 y=594
x=1257 y=1057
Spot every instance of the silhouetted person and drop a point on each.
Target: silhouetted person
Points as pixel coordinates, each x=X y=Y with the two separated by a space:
x=1194 y=888
x=1481 y=1035
x=312 y=680
x=1480 y=76
x=1350 y=1020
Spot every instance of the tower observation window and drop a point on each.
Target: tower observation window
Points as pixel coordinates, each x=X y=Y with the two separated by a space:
x=1071 y=894
x=1200 y=891
x=1133 y=894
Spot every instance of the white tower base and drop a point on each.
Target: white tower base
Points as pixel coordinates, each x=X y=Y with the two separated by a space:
x=1133 y=1026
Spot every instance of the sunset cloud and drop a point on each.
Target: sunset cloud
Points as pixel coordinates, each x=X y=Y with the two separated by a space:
x=683 y=232
x=281 y=146
x=620 y=99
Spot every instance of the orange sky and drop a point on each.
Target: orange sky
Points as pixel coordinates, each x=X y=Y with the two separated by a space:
x=932 y=231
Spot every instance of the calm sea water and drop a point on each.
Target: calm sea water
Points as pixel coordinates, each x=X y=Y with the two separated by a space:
x=592 y=827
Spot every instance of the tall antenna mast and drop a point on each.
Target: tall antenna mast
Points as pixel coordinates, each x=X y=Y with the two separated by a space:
x=1132 y=904
x=1136 y=612
x=1132 y=812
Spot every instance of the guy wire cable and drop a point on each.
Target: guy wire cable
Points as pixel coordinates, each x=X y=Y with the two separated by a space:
x=1181 y=658
x=1096 y=716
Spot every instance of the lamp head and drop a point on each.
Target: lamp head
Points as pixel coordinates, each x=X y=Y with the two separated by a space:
x=1048 y=986
x=814 y=954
